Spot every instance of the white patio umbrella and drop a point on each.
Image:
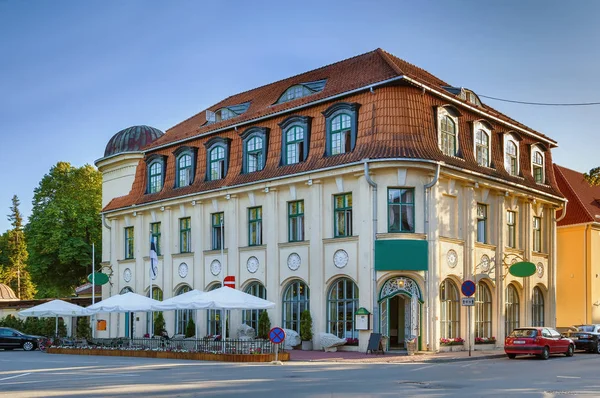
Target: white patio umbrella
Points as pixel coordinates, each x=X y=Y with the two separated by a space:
x=192 y=300
x=54 y=308
x=128 y=302
x=226 y=298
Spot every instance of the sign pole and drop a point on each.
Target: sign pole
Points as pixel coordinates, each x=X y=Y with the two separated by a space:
x=93 y=292
x=469 y=332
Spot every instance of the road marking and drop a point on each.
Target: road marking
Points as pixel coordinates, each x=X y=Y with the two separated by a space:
x=568 y=377
x=422 y=367
x=14 y=377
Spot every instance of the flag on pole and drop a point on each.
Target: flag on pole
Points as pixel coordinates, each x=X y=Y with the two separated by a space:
x=153 y=260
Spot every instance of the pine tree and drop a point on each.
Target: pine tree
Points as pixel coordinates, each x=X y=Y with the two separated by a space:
x=16 y=273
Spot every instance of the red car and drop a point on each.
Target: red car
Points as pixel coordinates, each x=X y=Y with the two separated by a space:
x=540 y=341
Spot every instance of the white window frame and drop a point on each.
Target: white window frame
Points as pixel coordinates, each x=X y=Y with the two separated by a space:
x=441 y=113
x=511 y=138
x=480 y=126
x=536 y=149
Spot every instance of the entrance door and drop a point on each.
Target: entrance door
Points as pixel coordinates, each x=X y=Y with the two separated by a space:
x=397 y=320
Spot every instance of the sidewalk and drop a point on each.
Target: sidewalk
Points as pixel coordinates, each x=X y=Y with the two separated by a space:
x=392 y=357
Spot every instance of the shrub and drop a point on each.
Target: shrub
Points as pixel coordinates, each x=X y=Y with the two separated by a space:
x=306 y=325
x=159 y=323
x=83 y=331
x=190 y=329
x=264 y=325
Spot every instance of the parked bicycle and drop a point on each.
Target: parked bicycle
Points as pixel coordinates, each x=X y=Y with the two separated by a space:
x=44 y=343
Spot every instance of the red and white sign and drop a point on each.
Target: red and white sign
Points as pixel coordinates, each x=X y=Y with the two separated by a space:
x=229 y=281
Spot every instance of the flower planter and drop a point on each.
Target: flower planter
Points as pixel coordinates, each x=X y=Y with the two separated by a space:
x=452 y=348
x=485 y=347
x=197 y=356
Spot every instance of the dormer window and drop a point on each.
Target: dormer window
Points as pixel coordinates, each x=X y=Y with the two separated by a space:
x=301 y=90
x=448 y=131
x=511 y=155
x=226 y=112
x=217 y=160
x=482 y=143
x=295 y=139
x=185 y=165
x=156 y=173
x=341 y=121
x=537 y=165
x=254 y=141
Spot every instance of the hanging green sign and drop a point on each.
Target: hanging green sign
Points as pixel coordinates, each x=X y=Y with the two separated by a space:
x=99 y=278
x=522 y=269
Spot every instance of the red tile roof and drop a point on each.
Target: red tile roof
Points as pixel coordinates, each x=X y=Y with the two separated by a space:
x=584 y=199
x=397 y=121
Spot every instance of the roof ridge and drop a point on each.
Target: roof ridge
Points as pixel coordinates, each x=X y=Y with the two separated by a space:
x=271 y=83
x=389 y=61
x=573 y=191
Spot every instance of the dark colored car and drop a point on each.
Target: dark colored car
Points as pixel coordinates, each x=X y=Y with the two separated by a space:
x=540 y=341
x=11 y=338
x=587 y=338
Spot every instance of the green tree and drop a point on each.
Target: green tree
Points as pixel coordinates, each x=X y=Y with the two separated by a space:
x=15 y=272
x=306 y=326
x=593 y=177
x=264 y=325
x=63 y=225
x=159 y=323
x=83 y=331
x=190 y=329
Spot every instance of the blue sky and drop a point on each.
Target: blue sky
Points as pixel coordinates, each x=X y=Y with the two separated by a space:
x=73 y=73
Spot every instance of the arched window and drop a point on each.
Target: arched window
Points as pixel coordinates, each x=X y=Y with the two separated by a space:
x=342 y=303
x=341 y=121
x=482 y=148
x=512 y=309
x=213 y=317
x=537 y=307
x=483 y=311
x=448 y=136
x=250 y=317
x=157 y=294
x=295 y=139
x=184 y=170
x=449 y=310
x=511 y=159
x=217 y=163
x=296 y=298
x=254 y=159
x=254 y=147
x=537 y=164
x=155 y=174
x=182 y=317
x=340 y=134
x=301 y=90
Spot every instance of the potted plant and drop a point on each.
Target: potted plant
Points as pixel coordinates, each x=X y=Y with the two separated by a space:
x=190 y=330
x=306 y=333
x=264 y=325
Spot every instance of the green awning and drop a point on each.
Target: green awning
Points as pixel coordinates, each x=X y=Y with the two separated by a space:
x=401 y=255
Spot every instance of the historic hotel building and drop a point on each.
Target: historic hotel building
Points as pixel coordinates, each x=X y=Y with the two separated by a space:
x=365 y=183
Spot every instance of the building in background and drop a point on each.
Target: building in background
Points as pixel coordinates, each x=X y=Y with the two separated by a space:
x=365 y=183
x=578 y=277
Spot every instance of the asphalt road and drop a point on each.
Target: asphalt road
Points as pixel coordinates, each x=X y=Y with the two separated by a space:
x=35 y=374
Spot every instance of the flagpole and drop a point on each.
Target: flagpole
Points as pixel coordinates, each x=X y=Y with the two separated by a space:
x=151 y=332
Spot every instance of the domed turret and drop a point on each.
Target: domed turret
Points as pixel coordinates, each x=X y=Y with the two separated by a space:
x=6 y=293
x=131 y=139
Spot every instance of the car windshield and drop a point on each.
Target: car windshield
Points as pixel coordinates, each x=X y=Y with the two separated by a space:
x=523 y=333
x=585 y=328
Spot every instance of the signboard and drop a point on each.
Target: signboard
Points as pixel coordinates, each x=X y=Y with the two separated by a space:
x=522 y=269
x=468 y=301
x=468 y=288
x=375 y=344
x=361 y=319
x=98 y=277
x=229 y=281
x=276 y=335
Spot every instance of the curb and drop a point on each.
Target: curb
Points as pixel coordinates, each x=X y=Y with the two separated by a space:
x=465 y=359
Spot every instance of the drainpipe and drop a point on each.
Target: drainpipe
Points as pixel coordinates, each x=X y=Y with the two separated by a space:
x=374 y=288
x=429 y=253
x=564 y=212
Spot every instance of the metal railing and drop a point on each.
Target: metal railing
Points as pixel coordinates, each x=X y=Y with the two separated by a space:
x=202 y=345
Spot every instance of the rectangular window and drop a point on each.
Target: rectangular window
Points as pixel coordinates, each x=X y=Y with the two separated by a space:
x=401 y=210
x=185 y=235
x=511 y=229
x=255 y=226
x=155 y=236
x=129 y=242
x=342 y=214
x=537 y=234
x=296 y=221
x=481 y=223
x=218 y=231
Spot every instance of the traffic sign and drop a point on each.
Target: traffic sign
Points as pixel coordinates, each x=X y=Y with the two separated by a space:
x=468 y=288
x=229 y=281
x=468 y=301
x=277 y=335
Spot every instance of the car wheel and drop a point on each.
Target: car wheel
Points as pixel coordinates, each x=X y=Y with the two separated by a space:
x=598 y=347
x=28 y=346
x=511 y=356
x=570 y=351
x=545 y=353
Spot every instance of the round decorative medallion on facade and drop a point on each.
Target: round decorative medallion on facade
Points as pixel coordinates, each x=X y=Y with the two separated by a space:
x=252 y=264
x=340 y=258
x=485 y=263
x=127 y=275
x=540 y=269
x=215 y=267
x=183 y=270
x=452 y=258
x=293 y=261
